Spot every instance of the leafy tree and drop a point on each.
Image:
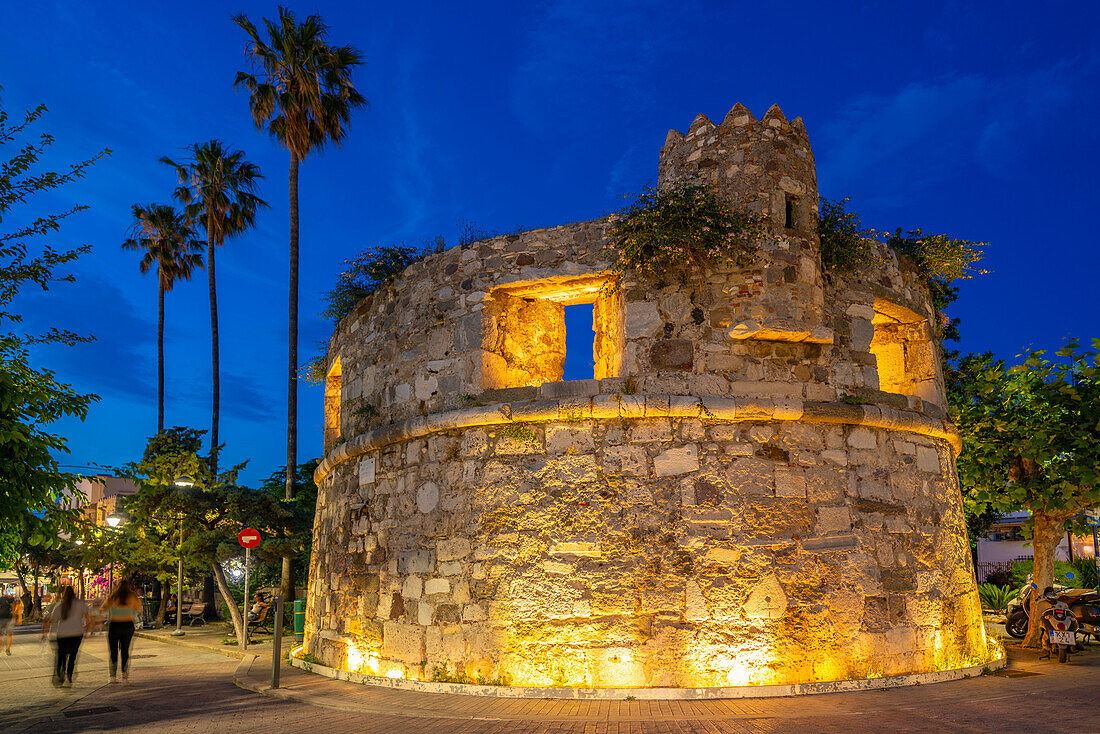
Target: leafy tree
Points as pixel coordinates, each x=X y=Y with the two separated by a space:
x=211 y=512
x=166 y=241
x=1029 y=442
x=217 y=187
x=300 y=88
x=31 y=397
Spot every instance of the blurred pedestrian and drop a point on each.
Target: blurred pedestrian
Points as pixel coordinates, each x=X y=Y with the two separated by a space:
x=122 y=610
x=68 y=619
x=11 y=614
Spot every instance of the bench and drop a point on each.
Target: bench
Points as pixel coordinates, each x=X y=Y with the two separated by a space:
x=195 y=613
x=261 y=622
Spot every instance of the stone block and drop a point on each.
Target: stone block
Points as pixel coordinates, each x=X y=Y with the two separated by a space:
x=561 y=439
x=835 y=456
x=427 y=497
x=862 y=438
x=413 y=562
x=412 y=588
x=425 y=613
x=366 y=471
x=641 y=319
x=569 y=389
x=928 y=459
x=695 y=605
x=789 y=482
x=576 y=548
x=672 y=354
x=403 y=642
x=676 y=461
x=898 y=579
x=473 y=613
x=452 y=549
x=437 y=586
x=833 y=520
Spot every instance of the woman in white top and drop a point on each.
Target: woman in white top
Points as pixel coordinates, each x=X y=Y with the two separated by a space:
x=68 y=618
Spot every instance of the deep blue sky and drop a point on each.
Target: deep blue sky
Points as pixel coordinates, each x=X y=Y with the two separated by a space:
x=975 y=119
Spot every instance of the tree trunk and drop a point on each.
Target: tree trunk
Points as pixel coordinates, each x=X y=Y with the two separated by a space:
x=36 y=598
x=80 y=584
x=215 y=381
x=1044 y=541
x=209 y=591
x=160 y=355
x=165 y=592
x=230 y=602
x=287 y=582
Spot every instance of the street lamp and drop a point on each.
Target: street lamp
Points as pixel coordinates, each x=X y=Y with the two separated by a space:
x=183 y=481
x=114 y=520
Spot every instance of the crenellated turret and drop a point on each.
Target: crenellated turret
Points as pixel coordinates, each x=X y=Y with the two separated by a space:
x=766 y=165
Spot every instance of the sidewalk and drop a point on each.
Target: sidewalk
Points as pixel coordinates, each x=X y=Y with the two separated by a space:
x=1039 y=688
x=211 y=637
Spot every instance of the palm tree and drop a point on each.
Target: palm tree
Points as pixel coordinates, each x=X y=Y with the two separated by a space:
x=216 y=188
x=167 y=242
x=300 y=89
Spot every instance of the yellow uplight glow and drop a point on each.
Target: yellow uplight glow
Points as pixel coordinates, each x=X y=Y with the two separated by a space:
x=395 y=673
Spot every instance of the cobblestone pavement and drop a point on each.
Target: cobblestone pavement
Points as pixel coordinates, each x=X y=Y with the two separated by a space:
x=178 y=689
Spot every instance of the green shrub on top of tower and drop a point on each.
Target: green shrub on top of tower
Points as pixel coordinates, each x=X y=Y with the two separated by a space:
x=364 y=274
x=665 y=233
x=844 y=240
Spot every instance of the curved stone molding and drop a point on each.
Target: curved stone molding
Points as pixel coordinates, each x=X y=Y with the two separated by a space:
x=610 y=407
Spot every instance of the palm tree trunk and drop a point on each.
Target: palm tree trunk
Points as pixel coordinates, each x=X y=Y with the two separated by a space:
x=160 y=355
x=215 y=412
x=287 y=581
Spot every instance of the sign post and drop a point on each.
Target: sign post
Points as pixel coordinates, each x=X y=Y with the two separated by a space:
x=249 y=538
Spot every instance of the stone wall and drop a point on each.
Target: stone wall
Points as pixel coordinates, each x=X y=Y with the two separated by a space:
x=731 y=499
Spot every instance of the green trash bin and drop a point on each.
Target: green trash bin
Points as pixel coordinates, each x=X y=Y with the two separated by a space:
x=299 y=621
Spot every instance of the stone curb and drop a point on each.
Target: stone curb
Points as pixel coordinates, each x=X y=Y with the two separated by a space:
x=738 y=409
x=227 y=650
x=648 y=694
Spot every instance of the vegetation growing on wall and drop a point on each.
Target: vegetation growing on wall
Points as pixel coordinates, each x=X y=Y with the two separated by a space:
x=664 y=233
x=846 y=246
x=364 y=274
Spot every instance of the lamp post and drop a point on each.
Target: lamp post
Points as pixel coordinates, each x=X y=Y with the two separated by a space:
x=184 y=481
x=114 y=520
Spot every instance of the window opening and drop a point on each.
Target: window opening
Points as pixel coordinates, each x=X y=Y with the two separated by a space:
x=789 y=212
x=535 y=332
x=580 y=337
x=905 y=353
x=333 y=385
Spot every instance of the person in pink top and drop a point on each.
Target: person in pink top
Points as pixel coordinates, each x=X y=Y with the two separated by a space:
x=68 y=619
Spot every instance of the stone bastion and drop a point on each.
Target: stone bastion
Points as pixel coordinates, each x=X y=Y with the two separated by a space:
x=757 y=486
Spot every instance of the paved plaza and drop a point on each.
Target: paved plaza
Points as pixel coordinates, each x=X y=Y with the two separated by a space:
x=186 y=689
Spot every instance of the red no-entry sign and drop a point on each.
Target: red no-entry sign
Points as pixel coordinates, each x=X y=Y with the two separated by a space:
x=249 y=538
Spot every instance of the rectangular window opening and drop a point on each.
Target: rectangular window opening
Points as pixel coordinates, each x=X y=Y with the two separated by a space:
x=333 y=390
x=561 y=328
x=580 y=337
x=789 y=212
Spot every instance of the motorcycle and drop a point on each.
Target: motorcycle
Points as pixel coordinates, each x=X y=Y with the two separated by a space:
x=1084 y=604
x=1059 y=628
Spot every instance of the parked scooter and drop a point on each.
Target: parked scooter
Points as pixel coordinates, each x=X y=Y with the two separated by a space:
x=1084 y=604
x=1059 y=627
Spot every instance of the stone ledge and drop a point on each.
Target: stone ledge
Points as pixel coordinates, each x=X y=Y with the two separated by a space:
x=736 y=410
x=647 y=694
